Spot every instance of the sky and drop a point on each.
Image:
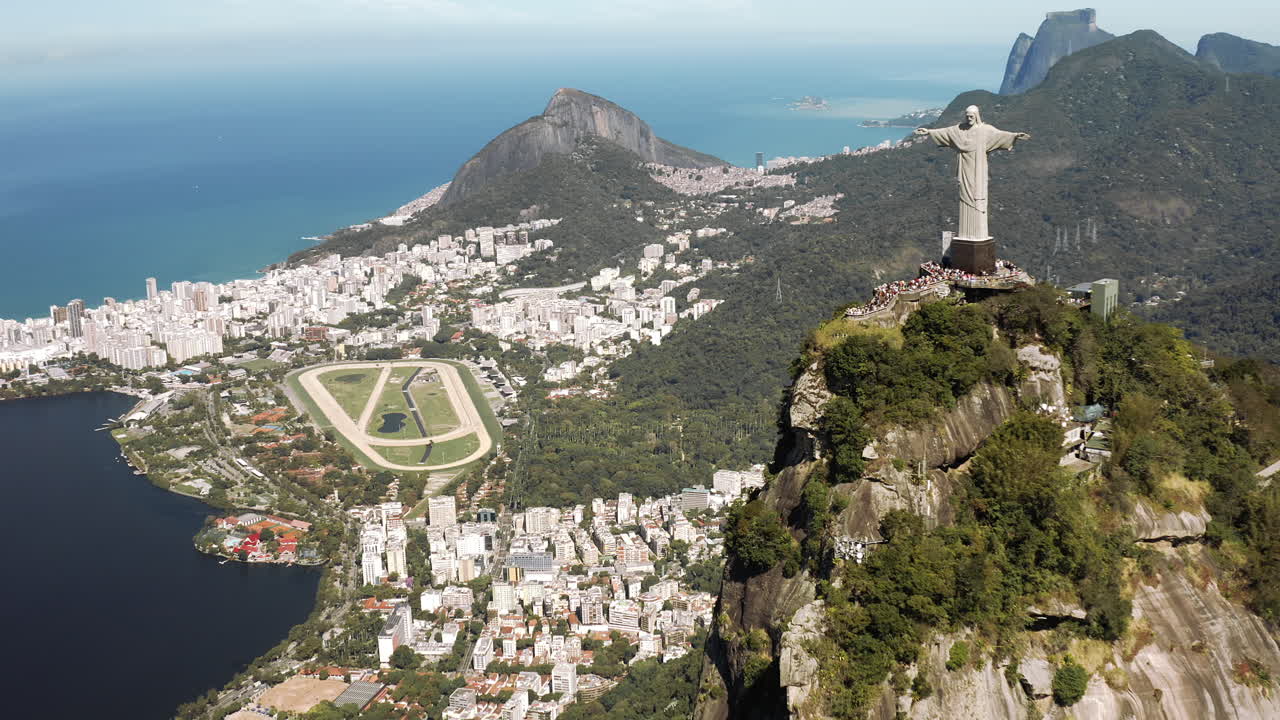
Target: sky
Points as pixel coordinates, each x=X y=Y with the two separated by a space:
x=67 y=31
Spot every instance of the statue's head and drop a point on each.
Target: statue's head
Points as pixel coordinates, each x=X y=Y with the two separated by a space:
x=972 y=116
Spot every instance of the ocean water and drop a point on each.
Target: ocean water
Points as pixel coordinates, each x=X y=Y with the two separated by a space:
x=206 y=172
x=104 y=580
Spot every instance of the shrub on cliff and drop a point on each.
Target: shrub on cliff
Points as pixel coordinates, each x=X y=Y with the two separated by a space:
x=1069 y=683
x=756 y=537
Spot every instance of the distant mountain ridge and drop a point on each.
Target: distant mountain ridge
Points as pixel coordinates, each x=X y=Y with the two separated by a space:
x=570 y=116
x=1061 y=34
x=1233 y=54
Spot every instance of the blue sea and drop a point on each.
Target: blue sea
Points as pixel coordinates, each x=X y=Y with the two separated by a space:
x=116 y=171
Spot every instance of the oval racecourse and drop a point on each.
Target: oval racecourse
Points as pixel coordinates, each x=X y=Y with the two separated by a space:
x=353 y=398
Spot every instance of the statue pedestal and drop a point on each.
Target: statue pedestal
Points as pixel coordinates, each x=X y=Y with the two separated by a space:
x=973 y=256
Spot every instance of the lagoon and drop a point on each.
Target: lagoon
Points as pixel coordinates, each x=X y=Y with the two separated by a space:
x=108 y=610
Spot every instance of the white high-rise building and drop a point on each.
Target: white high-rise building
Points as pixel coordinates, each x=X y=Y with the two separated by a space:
x=462 y=700
x=397 y=631
x=396 y=562
x=371 y=567
x=626 y=509
x=541 y=520
x=471 y=544
x=153 y=290
x=442 y=511
x=483 y=653
x=517 y=707
x=504 y=596
x=564 y=679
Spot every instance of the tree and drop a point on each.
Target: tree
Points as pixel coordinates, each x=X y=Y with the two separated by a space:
x=405 y=658
x=843 y=423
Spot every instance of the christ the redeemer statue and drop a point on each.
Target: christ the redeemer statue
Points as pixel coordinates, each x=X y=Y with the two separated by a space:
x=972 y=140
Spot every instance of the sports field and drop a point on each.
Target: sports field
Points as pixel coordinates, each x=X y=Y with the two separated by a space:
x=365 y=403
x=299 y=694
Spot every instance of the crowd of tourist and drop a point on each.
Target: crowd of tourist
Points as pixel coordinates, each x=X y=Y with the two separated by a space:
x=931 y=275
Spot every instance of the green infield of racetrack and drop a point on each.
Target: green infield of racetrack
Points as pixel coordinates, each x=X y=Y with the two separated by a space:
x=442 y=454
x=350 y=388
x=433 y=402
x=392 y=401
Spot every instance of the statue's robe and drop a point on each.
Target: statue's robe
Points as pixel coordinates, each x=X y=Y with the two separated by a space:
x=972 y=143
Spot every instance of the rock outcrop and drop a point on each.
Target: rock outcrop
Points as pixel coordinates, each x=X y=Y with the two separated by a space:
x=570 y=116
x=1190 y=653
x=1061 y=34
x=1017 y=56
x=947 y=441
x=770 y=601
x=797 y=669
x=1233 y=54
x=1150 y=525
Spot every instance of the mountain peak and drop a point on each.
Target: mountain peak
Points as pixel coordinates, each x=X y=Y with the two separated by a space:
x=570 y=116
x=1061 y=34
x=1233 y=54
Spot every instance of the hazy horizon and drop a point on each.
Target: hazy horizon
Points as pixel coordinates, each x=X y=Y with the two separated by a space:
x=80 y=34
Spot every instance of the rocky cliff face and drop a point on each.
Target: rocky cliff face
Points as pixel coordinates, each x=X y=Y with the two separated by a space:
x=769 y=601
x=1017 y=56
x=1192 y=651
x=1237 y=55
x=894 y=478
x=1061 y=34
x=569 y=116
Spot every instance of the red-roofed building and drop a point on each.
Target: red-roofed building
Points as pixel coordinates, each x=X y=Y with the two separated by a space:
x=270 y=416
x=371 y=604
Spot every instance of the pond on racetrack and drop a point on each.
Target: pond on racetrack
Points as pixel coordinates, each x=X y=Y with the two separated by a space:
x=392 y=422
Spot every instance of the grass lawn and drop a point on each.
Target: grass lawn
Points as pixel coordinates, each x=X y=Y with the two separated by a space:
x=261 y=365
x=442 y=454
x=350 y=388
x=454 y=450
x=433 y=402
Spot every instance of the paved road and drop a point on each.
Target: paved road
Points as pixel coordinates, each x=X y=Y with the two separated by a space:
x=1270 y=470
x=471 y=422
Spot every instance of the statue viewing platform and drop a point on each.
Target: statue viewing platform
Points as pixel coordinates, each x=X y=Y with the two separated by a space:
x=939 y=281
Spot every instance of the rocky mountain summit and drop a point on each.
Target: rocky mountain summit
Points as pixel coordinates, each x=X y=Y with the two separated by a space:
x=1233 y=54
x=1061 y=34
x=570 y=116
